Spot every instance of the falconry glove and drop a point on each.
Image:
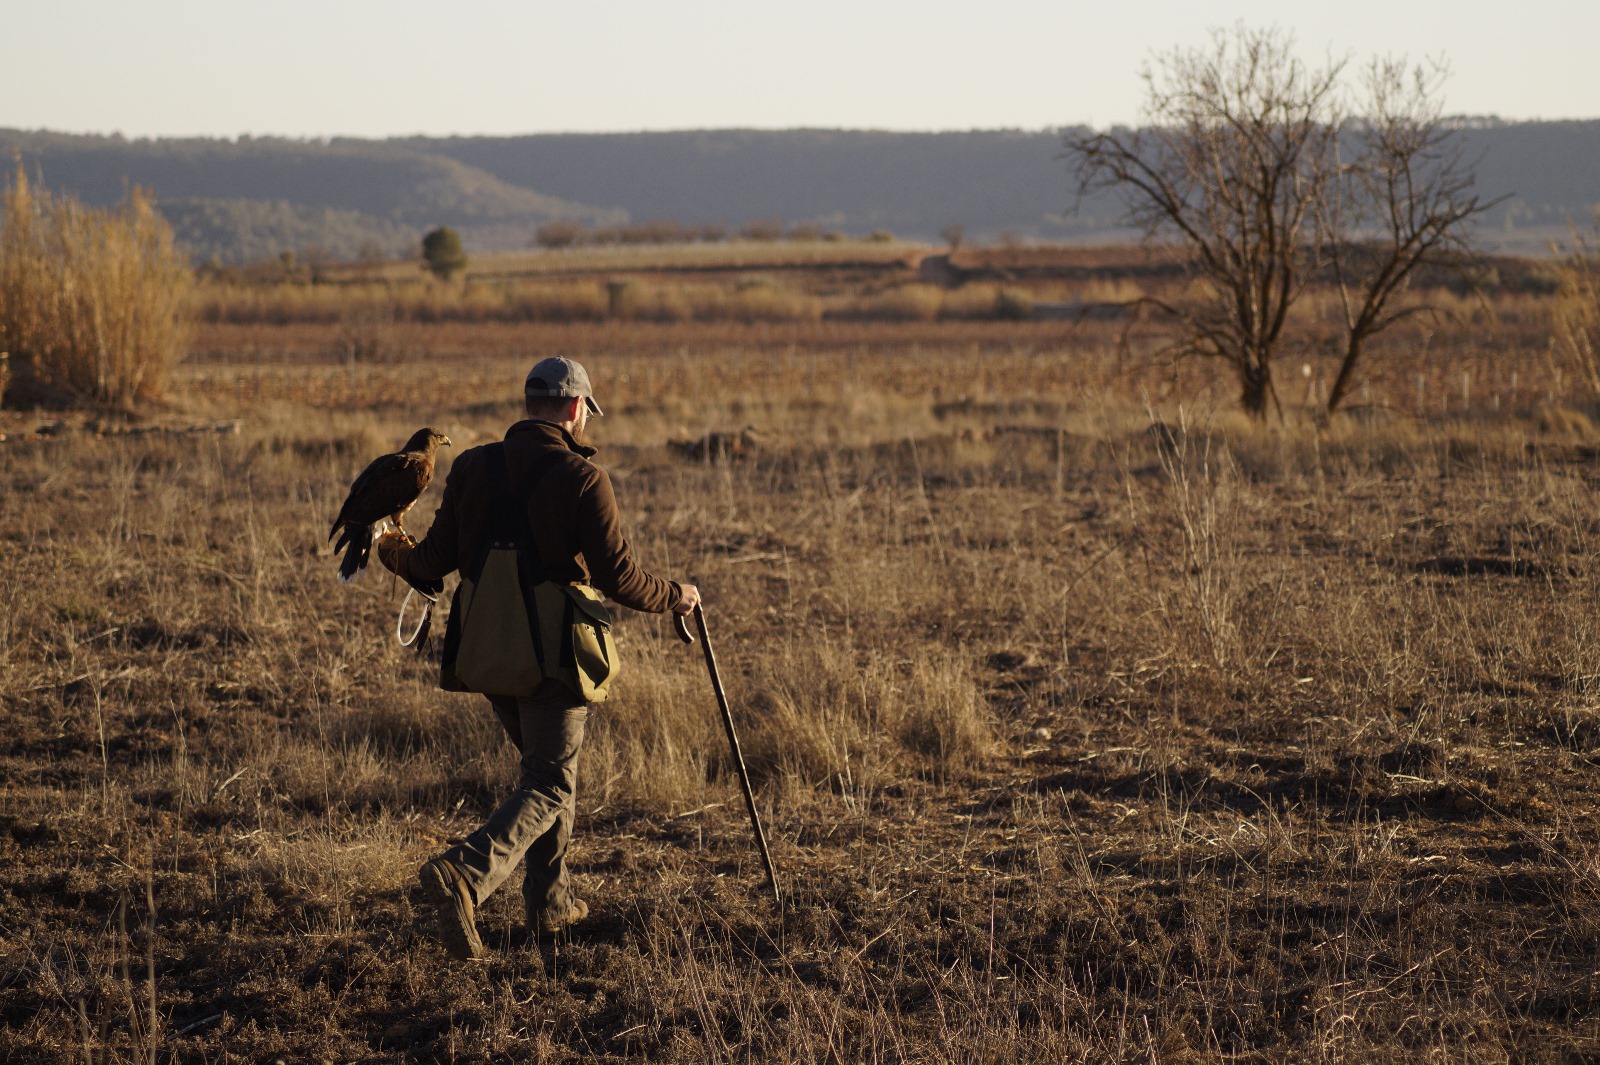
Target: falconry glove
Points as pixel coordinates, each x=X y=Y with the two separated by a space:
x=394 y=546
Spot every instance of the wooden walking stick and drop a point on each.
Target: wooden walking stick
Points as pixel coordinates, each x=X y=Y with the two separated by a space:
x=733 y=739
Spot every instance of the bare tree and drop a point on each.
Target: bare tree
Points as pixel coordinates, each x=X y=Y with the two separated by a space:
x=1236 y=150
x=1402 y=201
x=1241 y=160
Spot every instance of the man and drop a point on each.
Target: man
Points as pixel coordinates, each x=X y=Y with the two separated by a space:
x=572 y=516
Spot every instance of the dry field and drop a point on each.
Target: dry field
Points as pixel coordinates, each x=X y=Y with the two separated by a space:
x=1077 y=739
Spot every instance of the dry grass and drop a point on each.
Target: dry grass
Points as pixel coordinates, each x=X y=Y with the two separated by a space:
x=426 y=301
x=93 y=303
x=734 y=253
x=1076 y=739
x=636 y=258
x=1577 y=335
x=744 y=299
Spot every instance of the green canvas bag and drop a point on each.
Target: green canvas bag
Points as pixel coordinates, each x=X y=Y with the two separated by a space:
x=510 y=627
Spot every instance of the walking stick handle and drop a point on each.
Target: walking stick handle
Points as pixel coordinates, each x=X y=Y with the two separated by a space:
x=681 y=623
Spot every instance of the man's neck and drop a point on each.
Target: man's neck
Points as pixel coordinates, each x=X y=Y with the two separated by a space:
x=570 y=428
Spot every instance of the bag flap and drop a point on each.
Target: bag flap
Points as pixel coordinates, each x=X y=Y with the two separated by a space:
x=591 y=602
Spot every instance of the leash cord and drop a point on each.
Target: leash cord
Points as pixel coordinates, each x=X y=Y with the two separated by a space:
x=420 y=633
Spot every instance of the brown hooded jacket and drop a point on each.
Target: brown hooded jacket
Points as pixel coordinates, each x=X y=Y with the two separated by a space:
x=572 y=513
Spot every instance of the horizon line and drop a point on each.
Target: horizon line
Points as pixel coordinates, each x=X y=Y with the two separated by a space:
x=1462 y=120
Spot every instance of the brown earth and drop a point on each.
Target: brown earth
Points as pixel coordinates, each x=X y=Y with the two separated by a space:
x=1076 y=740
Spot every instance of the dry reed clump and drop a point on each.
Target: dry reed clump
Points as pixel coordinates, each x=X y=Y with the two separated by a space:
x=986 y=301
x=93 y=303
x=765 y=301
x=734 y=253
x=851 y=720
x=573 y=302
x=551 y=301
x=1577 y=318
x=1565 y=423
x=753 y=301
x=1202 y=492
x=1121 y=290
x=913 y=302
x=287 y=303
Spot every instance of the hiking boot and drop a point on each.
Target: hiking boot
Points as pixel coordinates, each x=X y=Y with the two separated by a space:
x=446 y=891
x=550 y=923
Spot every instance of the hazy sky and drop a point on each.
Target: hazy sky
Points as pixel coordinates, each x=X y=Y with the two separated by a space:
x=371 y=68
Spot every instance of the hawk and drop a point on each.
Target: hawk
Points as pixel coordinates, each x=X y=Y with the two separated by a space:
x=384 y=491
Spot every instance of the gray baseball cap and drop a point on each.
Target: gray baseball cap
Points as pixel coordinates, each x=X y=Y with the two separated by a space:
x=561 y=377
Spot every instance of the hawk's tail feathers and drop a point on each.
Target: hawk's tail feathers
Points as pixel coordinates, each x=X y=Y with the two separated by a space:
x=359 y=539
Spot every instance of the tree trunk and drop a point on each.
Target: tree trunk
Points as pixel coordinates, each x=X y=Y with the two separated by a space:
x=1347 y=373
x=1255 y=388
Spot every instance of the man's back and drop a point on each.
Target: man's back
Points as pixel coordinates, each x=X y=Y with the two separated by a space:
x=572 y=515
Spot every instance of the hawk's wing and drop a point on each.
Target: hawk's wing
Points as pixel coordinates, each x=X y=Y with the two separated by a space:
x=387 y=486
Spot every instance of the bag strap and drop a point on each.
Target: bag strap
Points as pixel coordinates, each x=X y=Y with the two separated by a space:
x=508 y=509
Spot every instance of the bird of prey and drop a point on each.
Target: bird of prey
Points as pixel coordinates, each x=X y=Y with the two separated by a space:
x=384 y=491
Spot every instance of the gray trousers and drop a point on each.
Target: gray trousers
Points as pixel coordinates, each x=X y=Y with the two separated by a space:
x=534 y=823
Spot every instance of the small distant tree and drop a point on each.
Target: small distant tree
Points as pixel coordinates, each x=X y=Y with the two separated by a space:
x=442 y=253
x=562 y=233
x=805 y=231
x=953 y=235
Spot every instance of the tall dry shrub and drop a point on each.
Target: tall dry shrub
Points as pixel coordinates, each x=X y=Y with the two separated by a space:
x=93 y=303
x=1577 y=338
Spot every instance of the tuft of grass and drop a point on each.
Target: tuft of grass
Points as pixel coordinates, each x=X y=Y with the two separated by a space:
x=1566 y=423
x=1577 y=318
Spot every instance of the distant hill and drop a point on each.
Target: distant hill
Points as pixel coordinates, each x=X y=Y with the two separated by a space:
x=250 y=198
x=914 y=184
x=1549 y=170
x=232 y=198
x=990 y=181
